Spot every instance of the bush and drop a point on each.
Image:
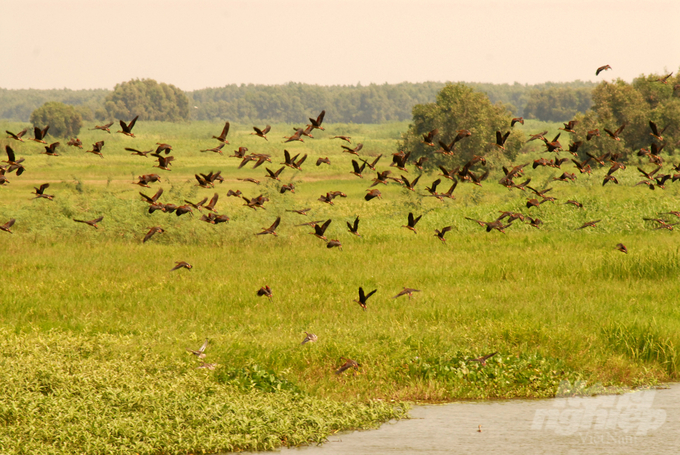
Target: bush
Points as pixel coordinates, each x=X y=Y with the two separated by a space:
x=64 y=120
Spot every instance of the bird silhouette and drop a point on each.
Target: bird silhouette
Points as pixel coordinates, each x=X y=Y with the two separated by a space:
x=153 y=230
x=406 y=291
x=6 y=227
x=602 y=68
x=440 y=234
x=271 y=229
x=412 y=222
x=223 y=135
x=354 y=228
x=364 y=297
x=265 y=291
x=201 y=351
x=309 y=338
x=126 y=128
x=181 y=265
x=92 y=223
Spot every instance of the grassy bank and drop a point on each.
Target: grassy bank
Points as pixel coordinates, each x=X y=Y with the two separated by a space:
x=95 y=326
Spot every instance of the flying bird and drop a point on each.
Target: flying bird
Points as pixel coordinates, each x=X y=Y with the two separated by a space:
x=181 y=265
x=126 y=128
x=412 y=222
x=201 y=351
x=602 y=68
x=92 y=223
x=364 y=297
x=223 y=136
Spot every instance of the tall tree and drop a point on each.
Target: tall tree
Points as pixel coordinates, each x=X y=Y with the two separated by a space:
x=64 y=120
x=148 y=99
x=460 y=107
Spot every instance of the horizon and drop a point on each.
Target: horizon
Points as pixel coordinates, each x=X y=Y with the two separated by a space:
x=213 y=43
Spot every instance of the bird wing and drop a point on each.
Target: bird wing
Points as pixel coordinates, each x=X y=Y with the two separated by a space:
x=225 y=131
x=355 y=165
x=370 y=294
x=324 y=226
x=276 y=223
x=359 y=147
x=416 y=220
x=410 y=219
x=266 y=129
x=10 y=153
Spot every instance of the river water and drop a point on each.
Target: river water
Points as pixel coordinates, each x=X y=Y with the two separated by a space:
x=640 y=422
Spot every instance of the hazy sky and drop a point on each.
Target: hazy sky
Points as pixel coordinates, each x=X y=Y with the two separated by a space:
x=195 y=44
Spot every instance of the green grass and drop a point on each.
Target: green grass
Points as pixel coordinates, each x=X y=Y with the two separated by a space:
x=95 y=326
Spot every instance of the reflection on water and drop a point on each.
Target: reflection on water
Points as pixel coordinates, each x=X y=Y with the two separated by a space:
x=642 y=422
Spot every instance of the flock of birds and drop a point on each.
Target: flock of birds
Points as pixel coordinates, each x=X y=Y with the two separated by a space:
x=467 y=173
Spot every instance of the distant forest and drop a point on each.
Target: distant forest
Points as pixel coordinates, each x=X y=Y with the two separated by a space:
x=294 y=102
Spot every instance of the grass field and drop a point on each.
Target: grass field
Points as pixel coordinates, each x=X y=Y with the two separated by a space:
x=95 y=327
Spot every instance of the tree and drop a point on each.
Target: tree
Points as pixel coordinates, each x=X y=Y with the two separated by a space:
x=635 y=105
x=148 y=99
x=558 y=103
x=458 y=107
x=64 y=120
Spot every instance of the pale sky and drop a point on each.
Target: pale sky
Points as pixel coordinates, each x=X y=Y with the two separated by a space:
x=195 y=44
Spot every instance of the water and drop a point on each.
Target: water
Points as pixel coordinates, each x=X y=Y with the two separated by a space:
x=642 y=422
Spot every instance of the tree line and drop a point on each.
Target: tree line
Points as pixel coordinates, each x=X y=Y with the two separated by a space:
x=290 y=103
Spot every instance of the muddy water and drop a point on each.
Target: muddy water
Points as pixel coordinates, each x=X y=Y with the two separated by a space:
x=642 y=422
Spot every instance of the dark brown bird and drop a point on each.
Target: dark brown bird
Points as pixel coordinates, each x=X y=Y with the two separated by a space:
x=182 y=209
x=251 y=180
x=412 y=222
x=534 y=222
x=334 y=244
x=153 y=230
x=574 y=203
x=592 y=133
x=217 y=149
x=126 y=128
x=265 y=291
x=138 y=152
x=92 y=223
x=482 y=360
x=410 y=185
x=6 y=227
x=18 y=136
x=297 y=136
x=51 y=150
x=262 y=133
x=364 y=297
x=609 y=178
x=300 y=211
x=240 y=153
x=516 y=120
x=152 y=199
x=500 y=139
x=163 y=147
x=655 y=131
x=663 y=79
x=354 y=228
x=615 y=134
x=602 y=68
x=39 y=134
x=274 y=175
x=428 y=137
x=211 y=204
x=103 y=127
x=573 y=148
x=554 y=145
x=316 y=123
x=287 y=187
x=164 y=162
x=320 y=230
x=328 y=199
x=97 y=149
x=344 y=138
x=373 y=194
x=349 y=363
x=419 y=162
x=357 y=170
x=588 y=224
x=321 y=161
x=271 y=229
x=371 y=165
x=621 y=247
x=440 y=234
x=569 y=126
x=183 y=265
x=352 y=151
x=540 y=136
x=223 y=136
x=40 y=192
x=406 y=291
x=199 y=205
